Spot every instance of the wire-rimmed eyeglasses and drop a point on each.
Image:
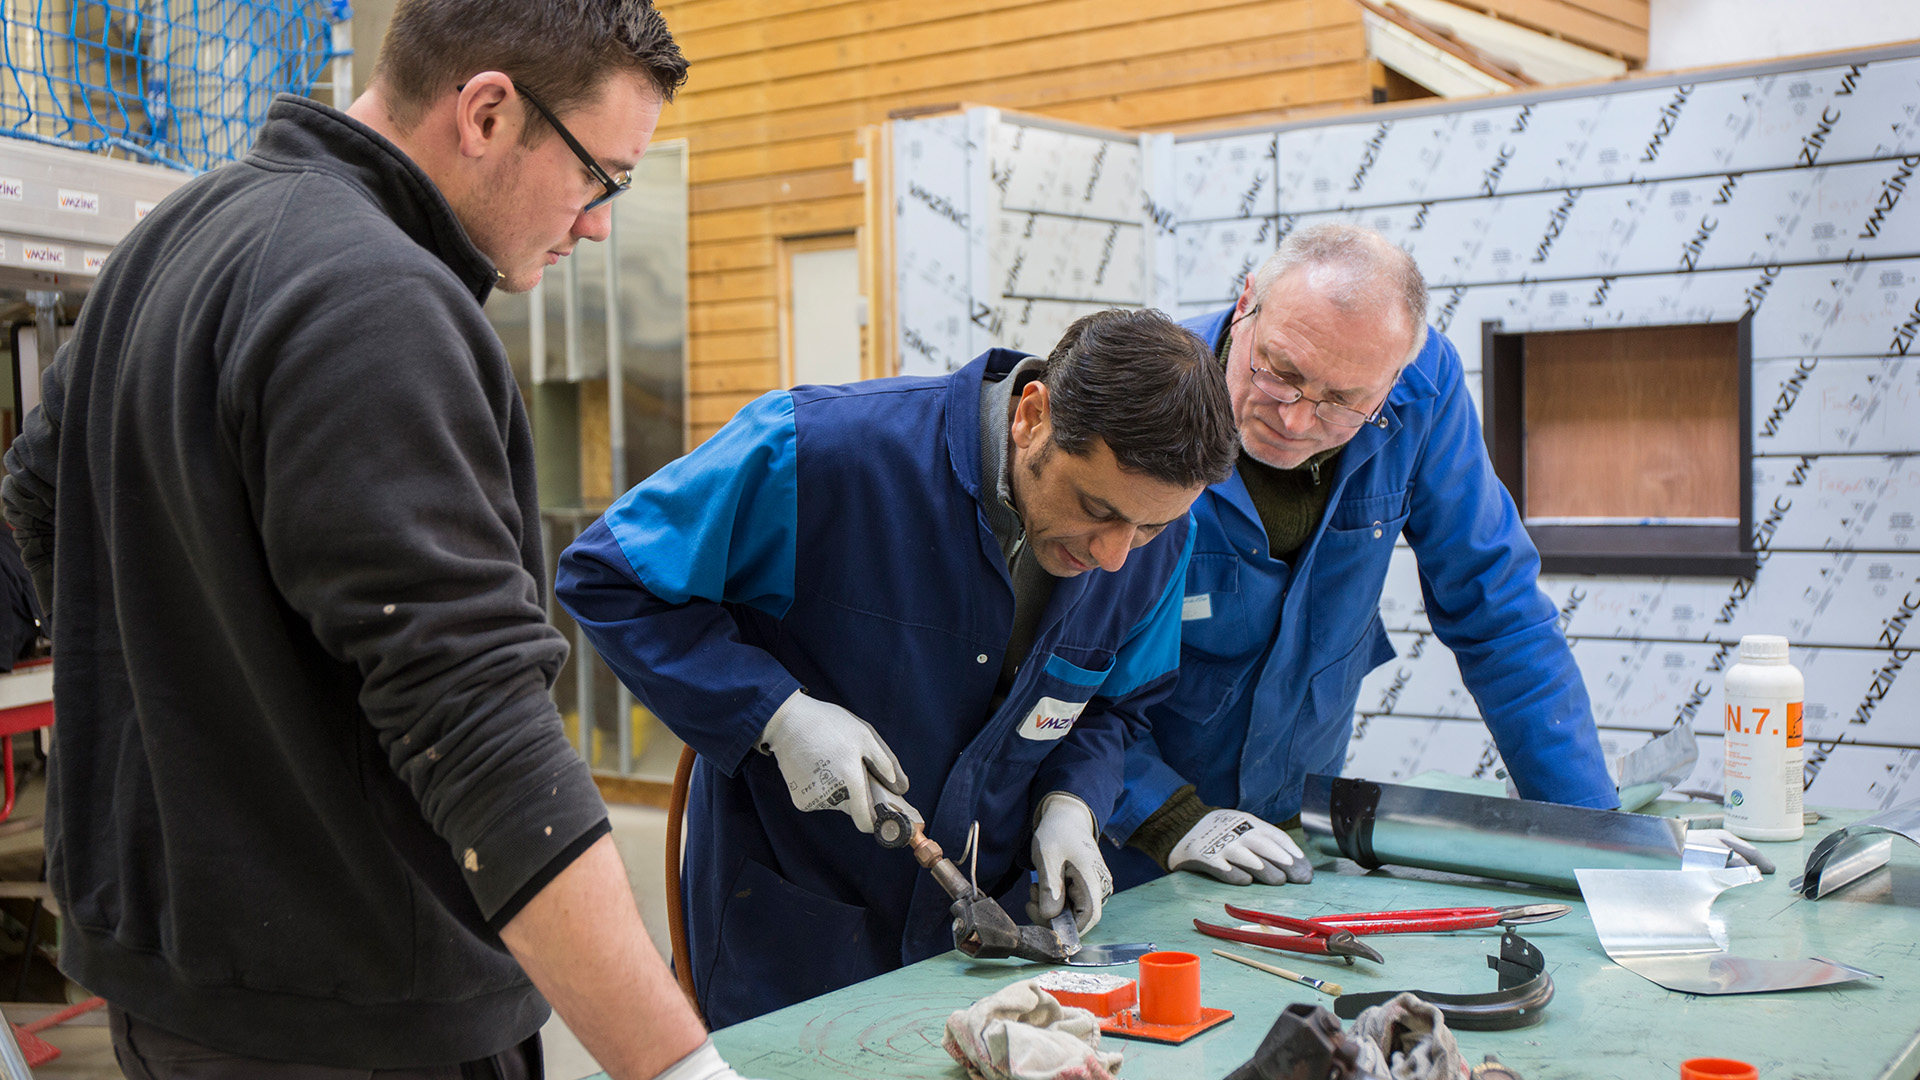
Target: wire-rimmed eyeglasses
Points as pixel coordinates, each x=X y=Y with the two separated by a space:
x=1286 y=393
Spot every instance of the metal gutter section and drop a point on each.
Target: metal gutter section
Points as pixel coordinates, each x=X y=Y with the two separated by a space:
x=1377 y=824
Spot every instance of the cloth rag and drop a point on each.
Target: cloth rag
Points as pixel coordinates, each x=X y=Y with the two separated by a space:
x=1406 y=1039
x=1021 y=1032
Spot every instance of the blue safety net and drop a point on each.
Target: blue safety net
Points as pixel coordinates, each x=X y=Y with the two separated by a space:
x=183 y=83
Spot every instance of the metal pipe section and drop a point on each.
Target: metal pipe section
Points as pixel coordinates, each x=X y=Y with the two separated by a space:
x=46 y=330
x=1378 y=824
x=617 y=444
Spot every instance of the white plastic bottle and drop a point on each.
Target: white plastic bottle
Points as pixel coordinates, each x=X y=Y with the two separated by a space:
x=1763 y=747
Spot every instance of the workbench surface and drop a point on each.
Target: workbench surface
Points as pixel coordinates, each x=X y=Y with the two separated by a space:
x=1604 y=1021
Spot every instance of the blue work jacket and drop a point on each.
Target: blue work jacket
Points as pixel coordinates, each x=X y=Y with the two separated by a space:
x=835 y=537
x=1272 y=653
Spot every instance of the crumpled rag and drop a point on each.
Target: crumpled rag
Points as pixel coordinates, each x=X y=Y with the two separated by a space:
x=1021 y=1033
x=1407 y=1039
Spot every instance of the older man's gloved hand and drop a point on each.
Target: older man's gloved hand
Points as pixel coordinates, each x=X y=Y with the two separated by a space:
x=1231 y=845
x=832 y=759
x=1066 y=852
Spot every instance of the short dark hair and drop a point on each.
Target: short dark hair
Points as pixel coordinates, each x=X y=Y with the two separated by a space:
x=1150 y=389
x=562 y=49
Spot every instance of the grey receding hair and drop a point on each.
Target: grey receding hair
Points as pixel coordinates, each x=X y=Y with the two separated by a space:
x=1366 y=271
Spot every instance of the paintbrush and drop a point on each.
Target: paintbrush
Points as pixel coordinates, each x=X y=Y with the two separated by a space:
x=1322 y=985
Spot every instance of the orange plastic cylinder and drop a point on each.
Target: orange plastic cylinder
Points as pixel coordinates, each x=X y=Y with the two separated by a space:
x=1170 y=988
x=1717 y=1069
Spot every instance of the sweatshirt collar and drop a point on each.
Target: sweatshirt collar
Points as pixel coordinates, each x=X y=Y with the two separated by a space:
x=301 y=133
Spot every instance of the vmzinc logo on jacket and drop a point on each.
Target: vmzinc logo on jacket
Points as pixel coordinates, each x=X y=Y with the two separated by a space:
x=1050 y=719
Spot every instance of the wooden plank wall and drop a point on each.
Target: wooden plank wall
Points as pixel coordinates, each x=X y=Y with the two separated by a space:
x=1615 y=27
x=780 y=90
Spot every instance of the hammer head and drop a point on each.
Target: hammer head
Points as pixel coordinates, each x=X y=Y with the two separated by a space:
x=982 y=929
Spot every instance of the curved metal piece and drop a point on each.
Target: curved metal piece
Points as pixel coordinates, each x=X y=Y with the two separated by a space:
x=1847 y=855
x=1660 y=926
x=1525 y=989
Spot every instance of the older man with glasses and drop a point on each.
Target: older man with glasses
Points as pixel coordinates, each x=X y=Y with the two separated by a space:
x=1355 y=427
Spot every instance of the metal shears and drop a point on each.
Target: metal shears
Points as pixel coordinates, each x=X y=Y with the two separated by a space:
x=1338 y=935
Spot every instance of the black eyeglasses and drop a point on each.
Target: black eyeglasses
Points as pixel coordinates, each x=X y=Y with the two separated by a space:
x=1286 y=393
x=612 y=185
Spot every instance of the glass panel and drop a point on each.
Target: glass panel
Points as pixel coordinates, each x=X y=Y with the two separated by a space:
x=650 y=247
x=650 y=283
x=589 y=261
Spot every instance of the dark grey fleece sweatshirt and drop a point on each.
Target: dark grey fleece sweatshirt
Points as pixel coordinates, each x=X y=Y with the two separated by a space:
x=281 y=489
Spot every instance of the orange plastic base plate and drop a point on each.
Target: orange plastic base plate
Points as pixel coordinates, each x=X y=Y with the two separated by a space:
x=1128 y=1025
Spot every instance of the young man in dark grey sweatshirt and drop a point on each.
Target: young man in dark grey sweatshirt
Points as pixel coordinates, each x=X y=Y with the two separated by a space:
x=311 y=804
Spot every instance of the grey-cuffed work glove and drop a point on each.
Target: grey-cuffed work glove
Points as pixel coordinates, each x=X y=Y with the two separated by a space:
x=1239 y=849
x=832 y=759
x=1231 y=845
x=1066 y=852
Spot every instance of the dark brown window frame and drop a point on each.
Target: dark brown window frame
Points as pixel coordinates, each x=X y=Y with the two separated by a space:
x=1665 y=550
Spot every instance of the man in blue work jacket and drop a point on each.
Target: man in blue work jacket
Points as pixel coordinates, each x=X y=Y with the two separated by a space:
x=848 y=587
x=1355 y=427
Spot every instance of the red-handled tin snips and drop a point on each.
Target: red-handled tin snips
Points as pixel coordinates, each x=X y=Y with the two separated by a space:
x=1336 y=935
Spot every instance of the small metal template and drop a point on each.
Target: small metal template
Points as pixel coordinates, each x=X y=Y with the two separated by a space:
x=1110 y=955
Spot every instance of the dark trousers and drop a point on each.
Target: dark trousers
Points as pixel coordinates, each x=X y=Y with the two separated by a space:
x=146 y=1052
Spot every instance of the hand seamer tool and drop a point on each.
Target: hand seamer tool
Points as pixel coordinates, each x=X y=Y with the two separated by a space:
x=981 y=927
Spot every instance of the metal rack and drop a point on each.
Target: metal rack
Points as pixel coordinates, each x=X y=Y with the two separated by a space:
x=108 y=106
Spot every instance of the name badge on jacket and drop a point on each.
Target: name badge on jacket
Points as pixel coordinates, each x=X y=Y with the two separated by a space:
x=1050 y=719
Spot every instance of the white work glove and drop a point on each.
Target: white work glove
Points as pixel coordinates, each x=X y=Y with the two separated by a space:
x=702 y=1064
x=1240 y=849
x=1066 y=851
x=833 y=759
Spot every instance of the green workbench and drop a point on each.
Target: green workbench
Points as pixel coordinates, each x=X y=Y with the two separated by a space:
x=1604 y=1021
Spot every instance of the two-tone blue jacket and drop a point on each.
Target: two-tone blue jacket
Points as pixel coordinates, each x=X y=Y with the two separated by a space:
x=835 y=538
x=1272 y=653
